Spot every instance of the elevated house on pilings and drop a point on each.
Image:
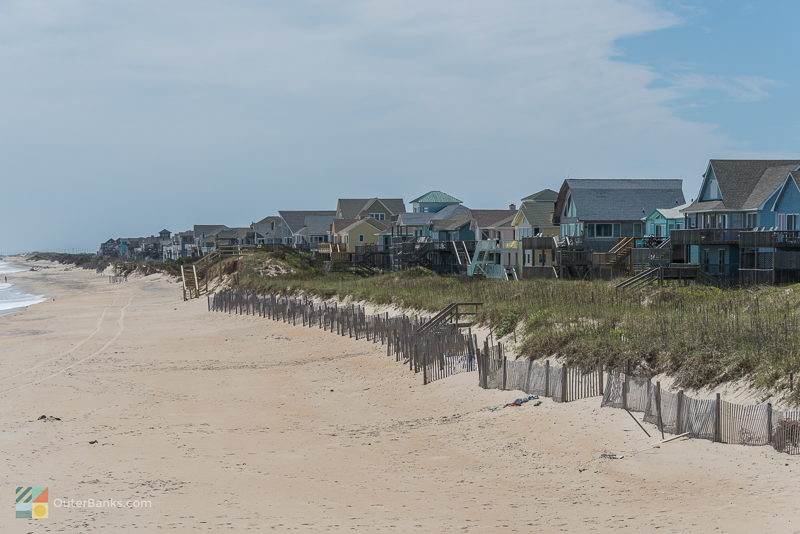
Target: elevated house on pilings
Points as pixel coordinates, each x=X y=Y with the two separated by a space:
x=743 y=228
x=537 y=234
x=496 y=253
x=436 y=235
x=600 y=221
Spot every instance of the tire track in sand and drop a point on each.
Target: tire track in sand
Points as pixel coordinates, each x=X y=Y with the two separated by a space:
x=120 y=329
x=67 y=352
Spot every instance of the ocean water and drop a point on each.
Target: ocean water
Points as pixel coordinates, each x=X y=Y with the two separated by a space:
x=13 y=297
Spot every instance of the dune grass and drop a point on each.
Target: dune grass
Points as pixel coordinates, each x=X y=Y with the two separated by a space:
x=703 y=336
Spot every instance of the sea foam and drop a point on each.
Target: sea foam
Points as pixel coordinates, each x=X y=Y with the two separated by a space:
x=11 y=296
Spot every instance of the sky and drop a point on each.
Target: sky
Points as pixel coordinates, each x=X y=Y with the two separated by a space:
x=122 y=117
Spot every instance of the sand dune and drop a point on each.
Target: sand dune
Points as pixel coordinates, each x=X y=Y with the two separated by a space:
x=241 y=424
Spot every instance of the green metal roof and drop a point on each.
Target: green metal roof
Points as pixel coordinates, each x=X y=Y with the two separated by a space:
x=436 y=197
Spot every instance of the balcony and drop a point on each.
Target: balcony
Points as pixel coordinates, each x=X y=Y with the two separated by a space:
x=540 y=243
x=773 y=239
x=706 y=236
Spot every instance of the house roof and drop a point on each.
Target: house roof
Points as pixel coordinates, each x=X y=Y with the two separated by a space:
x=493 y=218
x=207 y=229
x=296 y=220
x=352 y=207
x=414 y=219
x=268 y=218
x=340 y=224
x=545 y=195
x=164 y=230
x=673 y=213
x=448 y=212
x=538 y=213
x=618 y=199
x=744 y=184
x=318 y=224
x=448 y=225
x=355 y=224
x=233 y=233
x=436 y=197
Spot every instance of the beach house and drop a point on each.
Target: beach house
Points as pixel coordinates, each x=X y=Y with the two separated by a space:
x=757 y=197
x=306 y=227
x=379 y=209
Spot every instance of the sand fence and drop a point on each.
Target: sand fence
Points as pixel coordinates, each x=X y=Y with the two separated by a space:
x=449 y=351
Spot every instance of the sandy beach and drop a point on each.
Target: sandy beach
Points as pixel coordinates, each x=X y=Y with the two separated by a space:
x=227 y=423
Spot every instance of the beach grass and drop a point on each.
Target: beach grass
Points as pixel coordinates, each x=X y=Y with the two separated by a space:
x=703 y=336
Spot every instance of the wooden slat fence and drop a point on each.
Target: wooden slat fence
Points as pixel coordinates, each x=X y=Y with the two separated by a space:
x=436 y=354
x=561 y=383
x=712 y=419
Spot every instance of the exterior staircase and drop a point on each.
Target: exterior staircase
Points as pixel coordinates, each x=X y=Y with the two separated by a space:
x=452 y=316
x=461 y=252
x=511 y=272
x=191 y=282
x=191 y=274
x=621 y=251
x=677 y=272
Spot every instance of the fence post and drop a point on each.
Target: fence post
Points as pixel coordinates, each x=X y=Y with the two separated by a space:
x=679 y=414
x=769 y=422
x=600 y=377
x=564 y=383
x=504 y=373
x=717 y=419
x=625 y=391
x=547 y=378
x=425 y=365
x=658 y=409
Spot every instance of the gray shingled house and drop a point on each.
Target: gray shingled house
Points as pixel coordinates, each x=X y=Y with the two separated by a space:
x=600 y=212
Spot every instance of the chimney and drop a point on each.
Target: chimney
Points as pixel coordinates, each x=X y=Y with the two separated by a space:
x=512 y=207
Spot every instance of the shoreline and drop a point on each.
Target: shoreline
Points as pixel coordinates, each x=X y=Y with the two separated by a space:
x=230 y=422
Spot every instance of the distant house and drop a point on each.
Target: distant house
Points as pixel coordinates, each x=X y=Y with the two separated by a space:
x=110 y=248
x=600 y=212
x=534 y=229
x=234 y=237
x=496 y=225
x=739 y=196
x=379 y=209
x=205 y=237
x=358 y=232
x=430 y=224
x=535 y=215
x=306 y=227
x=432 y=202
x=662 y=221
x=271 y=230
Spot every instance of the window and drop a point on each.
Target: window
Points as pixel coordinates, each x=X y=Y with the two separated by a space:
x=360 y=238
x=603 y=230
x=751 y=220
x=272 y=225
x=793 y=222
x=378 y=216
x=528 y=258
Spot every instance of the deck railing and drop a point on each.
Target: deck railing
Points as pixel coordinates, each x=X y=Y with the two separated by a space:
x=706 y=236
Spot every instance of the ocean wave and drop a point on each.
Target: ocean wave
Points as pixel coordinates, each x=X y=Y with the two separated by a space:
x=13 y=298
x=7 y=268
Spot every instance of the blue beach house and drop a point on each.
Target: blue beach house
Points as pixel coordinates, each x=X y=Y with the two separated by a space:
x=738 y=196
